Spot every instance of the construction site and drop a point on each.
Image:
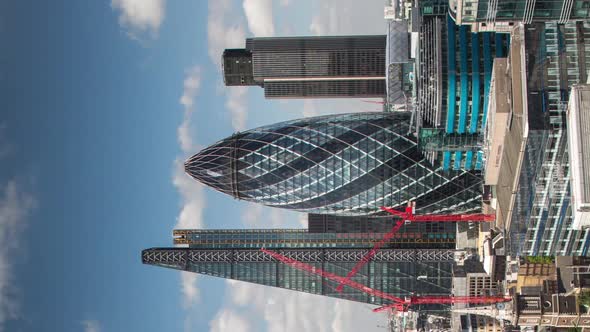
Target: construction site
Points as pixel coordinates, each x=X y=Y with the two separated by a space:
x=463 y=206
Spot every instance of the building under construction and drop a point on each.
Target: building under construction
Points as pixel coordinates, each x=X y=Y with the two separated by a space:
x=368 y=267
x=235 y=254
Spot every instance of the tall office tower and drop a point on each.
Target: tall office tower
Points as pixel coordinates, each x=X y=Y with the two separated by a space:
x=557 y=57
x=348 y=164
x=453 y=76
x=491 y=12
x=235 y=254
x=427 y=235
x=412 y=236
x=310 y=67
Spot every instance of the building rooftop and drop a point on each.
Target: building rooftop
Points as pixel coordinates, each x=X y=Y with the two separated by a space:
x=578 y=128
x=510 y=152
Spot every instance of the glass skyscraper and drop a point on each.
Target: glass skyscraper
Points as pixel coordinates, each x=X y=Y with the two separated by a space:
x=348 y=164
x=413 y=236
x=454 y=72
x=527 y=11
x=310 y=67
x=235 y=254
x=558 y=56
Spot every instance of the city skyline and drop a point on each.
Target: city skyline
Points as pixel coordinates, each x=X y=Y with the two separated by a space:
x=356 y=164
x=107 y=105
x=99 y=102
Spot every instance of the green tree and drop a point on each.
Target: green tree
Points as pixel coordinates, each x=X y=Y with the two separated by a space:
x=540 y=259
x=584 y=298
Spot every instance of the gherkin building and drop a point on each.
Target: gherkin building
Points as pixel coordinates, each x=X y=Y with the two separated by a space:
x=347 y=164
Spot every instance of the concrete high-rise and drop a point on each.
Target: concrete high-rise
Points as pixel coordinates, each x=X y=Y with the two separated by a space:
x=310 y=67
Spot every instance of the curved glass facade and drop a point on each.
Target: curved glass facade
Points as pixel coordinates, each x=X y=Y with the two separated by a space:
x=348 y=164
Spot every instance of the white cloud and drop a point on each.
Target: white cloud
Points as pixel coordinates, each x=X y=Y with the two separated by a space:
x=190 y=217
x=191 y=192
x=140 y=16
x=259 y=216
x=252 y=216
x=284 y=310
x=303 y=220
x=15 y=207
x=322 y=26
x=192 y=83
x=309 y=108
x=190 y=291
x=341 y=17
x=193 y=198
x=259 y=17
x=236 y=103
x=222 y=35
x=91 y=325
x=223 y=32
x=319 y=107
x=229 y=321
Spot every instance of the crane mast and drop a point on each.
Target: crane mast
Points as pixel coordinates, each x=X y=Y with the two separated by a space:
x=371 y=253
x=398 y=303
x=409 y=216
x=328 y=275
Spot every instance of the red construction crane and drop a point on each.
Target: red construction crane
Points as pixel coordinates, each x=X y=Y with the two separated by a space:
x=413 y=300
x=370 y=254
x=331 y=276
x=398 y=303
x=409 y=216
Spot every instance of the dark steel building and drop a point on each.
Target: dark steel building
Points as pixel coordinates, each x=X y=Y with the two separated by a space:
x=347 y=164
x=310 y=67
x=427 y=235
x=362 y=88
x=325 y=232
x=235 y=254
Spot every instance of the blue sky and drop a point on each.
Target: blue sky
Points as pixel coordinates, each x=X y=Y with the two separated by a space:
x=101 y=102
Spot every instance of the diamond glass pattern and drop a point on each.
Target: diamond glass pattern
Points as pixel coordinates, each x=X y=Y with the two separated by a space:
x=349 y=164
